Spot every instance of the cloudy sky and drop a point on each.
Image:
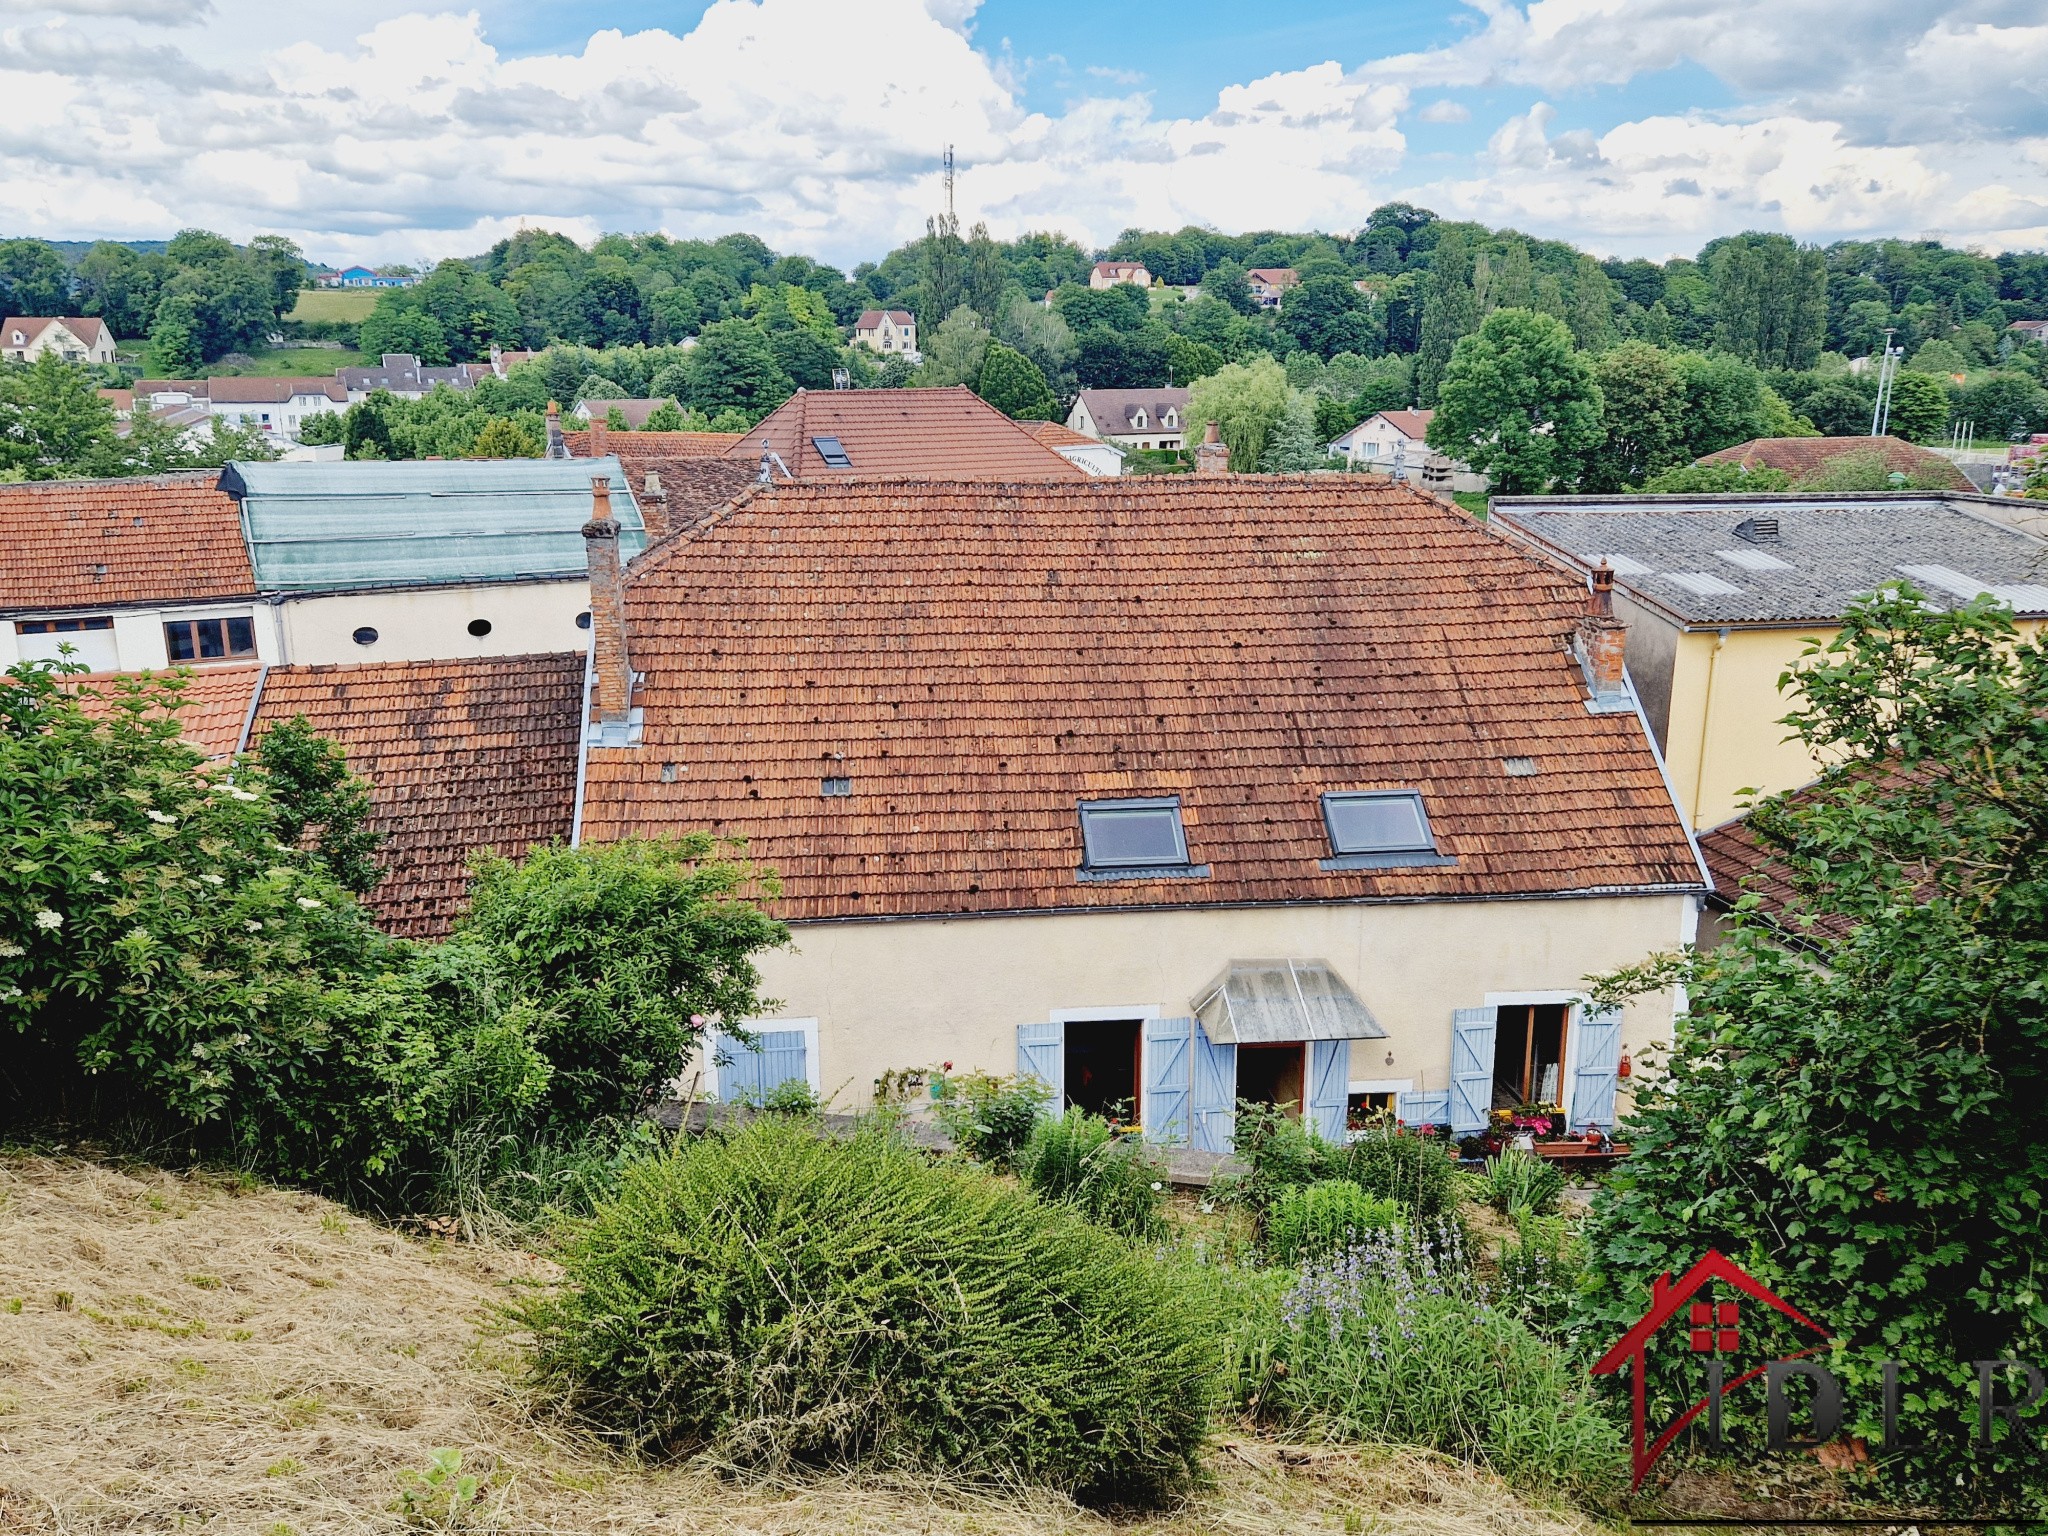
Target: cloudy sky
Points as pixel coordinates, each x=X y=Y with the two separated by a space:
x=392 y=129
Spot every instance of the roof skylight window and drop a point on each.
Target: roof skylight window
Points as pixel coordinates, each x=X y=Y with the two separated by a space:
x=833 y=452
x=1127 y=838
x=1378 y=828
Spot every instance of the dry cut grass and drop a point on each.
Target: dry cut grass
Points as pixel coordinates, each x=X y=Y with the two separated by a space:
x=181 y=1353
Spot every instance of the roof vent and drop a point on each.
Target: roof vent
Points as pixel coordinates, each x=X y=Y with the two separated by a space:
x=1758 y=530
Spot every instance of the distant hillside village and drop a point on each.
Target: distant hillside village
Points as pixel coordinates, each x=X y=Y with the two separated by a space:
x=1310 y=351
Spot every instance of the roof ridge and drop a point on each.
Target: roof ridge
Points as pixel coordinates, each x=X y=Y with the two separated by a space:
x=644 y=562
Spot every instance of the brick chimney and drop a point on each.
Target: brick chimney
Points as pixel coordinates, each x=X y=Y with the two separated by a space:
x=558 y=446
x=611 y=674
x=597 y=449
x=1211 y=457
x=1603 y=645
x=654 y=508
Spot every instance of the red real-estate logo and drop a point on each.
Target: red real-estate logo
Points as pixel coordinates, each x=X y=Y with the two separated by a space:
x=1714 y=1328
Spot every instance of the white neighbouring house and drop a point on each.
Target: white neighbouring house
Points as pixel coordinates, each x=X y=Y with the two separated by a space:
x=75 y=338
x=1396 y=444
x=892 y=332
x=1107 y=274
x=1132 y=418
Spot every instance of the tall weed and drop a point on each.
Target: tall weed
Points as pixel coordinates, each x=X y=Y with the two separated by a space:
x=1078 y=1160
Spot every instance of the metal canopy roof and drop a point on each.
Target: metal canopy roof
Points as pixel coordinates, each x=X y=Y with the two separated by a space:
x=1256 y=1002
x=423 y=522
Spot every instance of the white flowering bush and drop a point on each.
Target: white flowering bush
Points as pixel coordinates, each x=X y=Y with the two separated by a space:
x=181 y=949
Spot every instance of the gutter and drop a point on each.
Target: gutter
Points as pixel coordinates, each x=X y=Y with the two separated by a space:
x=1699 y=772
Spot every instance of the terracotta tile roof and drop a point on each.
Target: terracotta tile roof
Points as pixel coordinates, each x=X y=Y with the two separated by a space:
x=871 y=319
x=91 y=543
x=460 y=755
x=1413 y=425
x=630 y=446
x=692 y=489
x=1057 y=434
x=975 y=659
x=122 y=400
x=1798 y=456
x=903 y=434
x=216 y=703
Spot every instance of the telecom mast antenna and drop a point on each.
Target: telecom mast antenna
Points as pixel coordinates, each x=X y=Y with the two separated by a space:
x=949 y=181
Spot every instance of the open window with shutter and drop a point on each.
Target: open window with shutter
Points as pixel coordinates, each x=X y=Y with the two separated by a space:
x=1042 y=1054
x=1597 y=1049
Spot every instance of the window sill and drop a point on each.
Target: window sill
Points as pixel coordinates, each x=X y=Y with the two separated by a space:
x=1409 y=859
x=1147 y=872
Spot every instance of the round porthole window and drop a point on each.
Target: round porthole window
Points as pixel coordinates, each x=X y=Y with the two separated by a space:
x=583 y=619
x=479 y=627
x=365 y=636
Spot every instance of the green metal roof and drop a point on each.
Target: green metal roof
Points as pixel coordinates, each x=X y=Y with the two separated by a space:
x=423 y=522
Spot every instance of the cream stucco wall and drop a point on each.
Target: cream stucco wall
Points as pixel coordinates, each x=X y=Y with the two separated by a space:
x=920 y=992
x=432 y=624
x=1723 y=735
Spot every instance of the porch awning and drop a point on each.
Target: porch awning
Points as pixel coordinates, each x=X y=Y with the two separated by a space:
x=1257 y=1002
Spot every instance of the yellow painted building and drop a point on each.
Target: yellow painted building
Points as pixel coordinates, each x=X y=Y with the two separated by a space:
x=1723 y=596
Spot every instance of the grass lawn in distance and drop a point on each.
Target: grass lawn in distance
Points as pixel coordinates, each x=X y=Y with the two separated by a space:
x=352 y=304
x=318 y=362
x=1473 y=502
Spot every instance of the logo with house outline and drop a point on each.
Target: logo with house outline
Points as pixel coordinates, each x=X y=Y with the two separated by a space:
x=1713 y=1329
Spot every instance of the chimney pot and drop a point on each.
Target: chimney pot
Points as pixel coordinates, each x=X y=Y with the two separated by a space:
x=1212 y=457
x=596 y=438
x=654 y=508
x=611 y=673
x=558 y=446
x=1600 y=600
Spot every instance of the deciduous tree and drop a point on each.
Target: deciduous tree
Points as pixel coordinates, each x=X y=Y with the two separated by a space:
x=1517 y=403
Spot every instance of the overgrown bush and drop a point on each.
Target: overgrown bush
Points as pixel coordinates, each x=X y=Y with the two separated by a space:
x=1519 y=1181
x=1309 y=1221
x=781 y=1299
x=990 y=1117
x=629 y=949
x=1394 y=1342
x=1855 y=1107
x=1078 y=1160
x=183 y=960
x=1281 y=1153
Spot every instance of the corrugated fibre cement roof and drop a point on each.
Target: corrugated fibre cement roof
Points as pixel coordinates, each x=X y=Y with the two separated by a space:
x=423 y=522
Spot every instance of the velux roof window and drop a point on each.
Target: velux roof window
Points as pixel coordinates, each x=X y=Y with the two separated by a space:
x=1134 y=839
x=1378 y=828
x=833 y=452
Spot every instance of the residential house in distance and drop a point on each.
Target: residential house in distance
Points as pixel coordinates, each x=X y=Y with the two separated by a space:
x=306 y=563
x=1132 y=418
x=1396 y=444
x=633 y=412
x=1107 y=274
x=1722 y=595
x=892 y=332
x=1269 y=284
x=1171 y=792
x=2030 y=330
x=896 y=434
x=1797 y=456
x=278 y=407
x=1092 y=454
x=75 y=338
x=403 y=375
x=365 y=277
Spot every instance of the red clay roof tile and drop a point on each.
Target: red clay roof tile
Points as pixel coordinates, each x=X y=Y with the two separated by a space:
x=903 y=434
x=630 y=447
x=91 y=543
x=1798 y=456
x=978 y=658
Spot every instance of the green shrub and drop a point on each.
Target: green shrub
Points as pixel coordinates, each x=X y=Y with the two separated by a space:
x=1279 y=1153
x=1415 y=1172
x=632 y=947
x=781 y=1299
x=1311 y=1220
x=1518 y=1181
x=1078 y=1160
x=990 y=1117
x=1394 y=1342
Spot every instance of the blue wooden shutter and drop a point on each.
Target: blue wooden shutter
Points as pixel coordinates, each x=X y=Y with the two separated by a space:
x=1329 y=1087
x=757 y=1070
x=1472 y=1032
x=1598 y=1056
x=1420 y=1108
x=1168 y=1080
x=1042 y=1053
x=1213 y=1109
